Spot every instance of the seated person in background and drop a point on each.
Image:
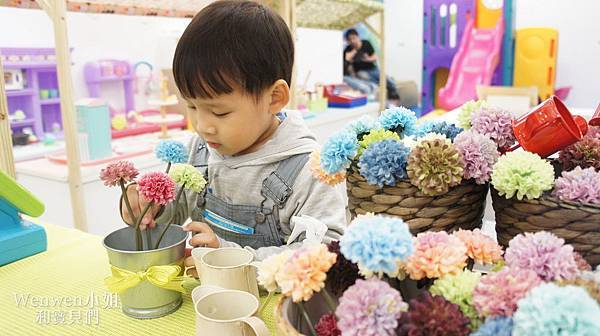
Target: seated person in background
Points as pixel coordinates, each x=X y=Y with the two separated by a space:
x=359 y=62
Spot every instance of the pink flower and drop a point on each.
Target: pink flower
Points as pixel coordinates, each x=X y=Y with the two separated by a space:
x=157 y=187
x=114 y=172
x=578 y=185
x=305 y=272
x=495 y=123
x=370 y=308
x=479 y=153
x=544 y=253
x=497 y=294
x=481 y=248
x=436 y=254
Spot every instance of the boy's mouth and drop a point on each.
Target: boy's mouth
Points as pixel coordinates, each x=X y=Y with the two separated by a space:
x=213 y=144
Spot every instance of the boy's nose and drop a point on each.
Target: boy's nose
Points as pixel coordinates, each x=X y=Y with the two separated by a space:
x=209 y=130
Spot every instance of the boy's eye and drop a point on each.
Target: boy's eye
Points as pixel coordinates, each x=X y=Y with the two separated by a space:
x=220 y=115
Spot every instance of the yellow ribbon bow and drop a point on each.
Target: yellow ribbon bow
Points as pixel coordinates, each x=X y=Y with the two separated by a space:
x=165 y=276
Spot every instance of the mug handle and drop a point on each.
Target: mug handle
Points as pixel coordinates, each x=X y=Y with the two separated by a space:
x=257 y=325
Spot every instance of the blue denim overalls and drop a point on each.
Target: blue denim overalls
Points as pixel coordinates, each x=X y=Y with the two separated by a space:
x=255 y=225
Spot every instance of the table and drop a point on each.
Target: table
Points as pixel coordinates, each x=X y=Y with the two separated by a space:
x=59 y=284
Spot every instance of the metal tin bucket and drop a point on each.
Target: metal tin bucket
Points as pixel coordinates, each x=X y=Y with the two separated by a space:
x=146 y=301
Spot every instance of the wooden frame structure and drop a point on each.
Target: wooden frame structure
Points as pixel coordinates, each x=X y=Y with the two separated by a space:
x=295 y=12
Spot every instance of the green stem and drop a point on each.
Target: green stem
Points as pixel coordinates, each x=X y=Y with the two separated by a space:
x=170 y=221
x=148 y=237
x=137 y=225
x=330 y=300
x=307 y=319
x=264 y=305
x=168 y=167
x=138 y=238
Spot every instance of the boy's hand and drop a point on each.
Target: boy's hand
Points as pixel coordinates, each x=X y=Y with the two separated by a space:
x=138 y=204
x=202 y=236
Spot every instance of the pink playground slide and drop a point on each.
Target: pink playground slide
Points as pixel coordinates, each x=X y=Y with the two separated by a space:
x=474 y=64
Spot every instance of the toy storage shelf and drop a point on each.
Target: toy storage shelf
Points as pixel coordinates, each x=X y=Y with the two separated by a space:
x=20 y=93
x=50 y=101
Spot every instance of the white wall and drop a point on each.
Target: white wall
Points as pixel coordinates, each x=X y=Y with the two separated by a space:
x=578 y=50
x=151 y=39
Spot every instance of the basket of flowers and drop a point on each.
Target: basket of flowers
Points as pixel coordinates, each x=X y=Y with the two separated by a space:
x=433 y=175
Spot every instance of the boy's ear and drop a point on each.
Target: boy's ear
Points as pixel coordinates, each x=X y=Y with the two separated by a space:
x=280 y=96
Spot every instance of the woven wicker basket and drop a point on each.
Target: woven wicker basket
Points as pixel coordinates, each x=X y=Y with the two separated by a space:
x=577 y=223
x=461 y=207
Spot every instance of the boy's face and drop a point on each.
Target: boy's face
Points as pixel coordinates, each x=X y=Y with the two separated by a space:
x=354 y=41
x=234 y=123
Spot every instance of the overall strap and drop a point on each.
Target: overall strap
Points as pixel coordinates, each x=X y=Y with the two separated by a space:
x=278 y=185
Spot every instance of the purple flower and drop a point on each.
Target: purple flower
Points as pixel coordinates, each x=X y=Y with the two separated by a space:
x=479 y=153
x=495 y=123
x=579 y=185
x=370 y=308
x=544 y=253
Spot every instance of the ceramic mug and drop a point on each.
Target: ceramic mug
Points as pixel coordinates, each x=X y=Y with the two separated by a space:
x=228 y=267
x=548 y=128
x=226 y=312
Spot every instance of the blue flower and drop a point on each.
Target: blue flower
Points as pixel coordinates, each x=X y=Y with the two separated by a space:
x=377 y=243
x=363 y=125
x=440 y=127
x=552 y=310
x=384 y=162
x=171 y=151
x=338 y=151
x=499 y=326
x=399 y=119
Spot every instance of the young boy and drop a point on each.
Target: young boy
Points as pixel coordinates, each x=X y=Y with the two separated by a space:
x=233 y=66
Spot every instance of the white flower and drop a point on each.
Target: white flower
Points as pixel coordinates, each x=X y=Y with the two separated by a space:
x=270 y=267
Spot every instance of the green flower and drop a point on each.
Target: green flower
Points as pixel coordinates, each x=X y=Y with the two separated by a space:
x=376 y=135
x=458 y=289
x=522 y=174
x=190 y=176
x=464 y=116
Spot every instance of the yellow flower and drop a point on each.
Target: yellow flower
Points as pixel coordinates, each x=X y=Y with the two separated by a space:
x=305 y=272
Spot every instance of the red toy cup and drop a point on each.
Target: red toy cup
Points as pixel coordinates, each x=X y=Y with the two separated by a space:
x=595 y=121
x=547 y=129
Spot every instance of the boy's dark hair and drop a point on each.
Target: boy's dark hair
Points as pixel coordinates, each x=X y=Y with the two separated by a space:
x=233 y=42
x=349 y=32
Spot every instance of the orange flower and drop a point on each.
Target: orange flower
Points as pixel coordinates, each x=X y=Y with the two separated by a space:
x=481 y=248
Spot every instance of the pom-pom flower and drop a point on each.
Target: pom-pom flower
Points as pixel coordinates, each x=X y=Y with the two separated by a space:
x=343 y=273
x=188 y=175
x=479 y=153
x=400 y=120
x=305 y=272
x=320 y=174
x=376 y=135
x=458 y=289
x=522 y=174
x=439 y=127
x=584 y=153
x=434 y=166
x=590 y=286
x=171 y=151
x=578 y=185
x=268 y=269
x=157 y=187
x=377 y=243
x=363 y=125
x=464 y=116
x=593 y=132
x=370 y=308
x=436 y=254
x=499 y=326
x=481 y=248
x=338 y=151
x=496 y=124
x=384 y=162
x=497 y=293
x=552 y=310
x=115 y=172
x=433 y=316
x=327 y=326
x=544 y=253
x=582 y=264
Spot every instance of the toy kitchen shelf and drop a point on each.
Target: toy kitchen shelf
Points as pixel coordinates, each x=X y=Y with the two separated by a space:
x=32 y=88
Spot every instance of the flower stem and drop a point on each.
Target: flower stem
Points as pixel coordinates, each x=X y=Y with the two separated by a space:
x=170 y=221
x=264 y=305
x=307 y=319
x=148 y=237
x=168 y=167
x=137 y=225
x=330 y=300
x=138 y=238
